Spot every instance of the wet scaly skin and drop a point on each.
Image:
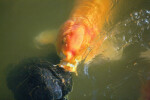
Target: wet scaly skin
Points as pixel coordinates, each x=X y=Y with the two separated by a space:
x=81 y=31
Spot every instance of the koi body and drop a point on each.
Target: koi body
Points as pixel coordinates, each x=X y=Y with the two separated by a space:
x=81 y=32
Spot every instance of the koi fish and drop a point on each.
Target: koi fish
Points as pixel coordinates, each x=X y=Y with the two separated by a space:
x=80 y=37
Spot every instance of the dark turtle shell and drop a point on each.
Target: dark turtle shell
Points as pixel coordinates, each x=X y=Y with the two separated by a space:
x=39 y=79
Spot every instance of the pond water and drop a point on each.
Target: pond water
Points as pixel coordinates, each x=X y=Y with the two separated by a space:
x=103 y=79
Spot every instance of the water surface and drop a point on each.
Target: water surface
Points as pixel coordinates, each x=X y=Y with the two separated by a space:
x=103 y=79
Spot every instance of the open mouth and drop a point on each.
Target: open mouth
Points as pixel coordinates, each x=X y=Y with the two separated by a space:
x=71 y=67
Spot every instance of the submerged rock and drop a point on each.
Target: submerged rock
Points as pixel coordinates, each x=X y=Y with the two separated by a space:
x=39 y=79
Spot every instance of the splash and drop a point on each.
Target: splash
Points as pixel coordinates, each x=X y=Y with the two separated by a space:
x=131 y=33
x=131 y=30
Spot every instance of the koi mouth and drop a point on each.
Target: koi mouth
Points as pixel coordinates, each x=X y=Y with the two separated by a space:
x=71 y=67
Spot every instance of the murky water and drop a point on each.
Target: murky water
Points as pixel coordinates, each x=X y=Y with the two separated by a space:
x=103 y=79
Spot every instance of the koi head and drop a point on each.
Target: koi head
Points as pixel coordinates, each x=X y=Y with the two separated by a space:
x=69 y=43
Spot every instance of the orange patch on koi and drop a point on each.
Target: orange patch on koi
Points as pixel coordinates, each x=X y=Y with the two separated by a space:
x=81 y=31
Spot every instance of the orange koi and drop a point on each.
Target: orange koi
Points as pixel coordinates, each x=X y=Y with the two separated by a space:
x=80 y=36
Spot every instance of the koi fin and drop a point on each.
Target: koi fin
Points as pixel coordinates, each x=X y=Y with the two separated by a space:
x=106 y=48
x=45 y=38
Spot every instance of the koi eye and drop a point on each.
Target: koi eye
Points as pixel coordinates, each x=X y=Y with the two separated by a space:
x=64 y=41
x=62 y=55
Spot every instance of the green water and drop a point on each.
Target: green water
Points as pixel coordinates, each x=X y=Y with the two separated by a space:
x=22 y=20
